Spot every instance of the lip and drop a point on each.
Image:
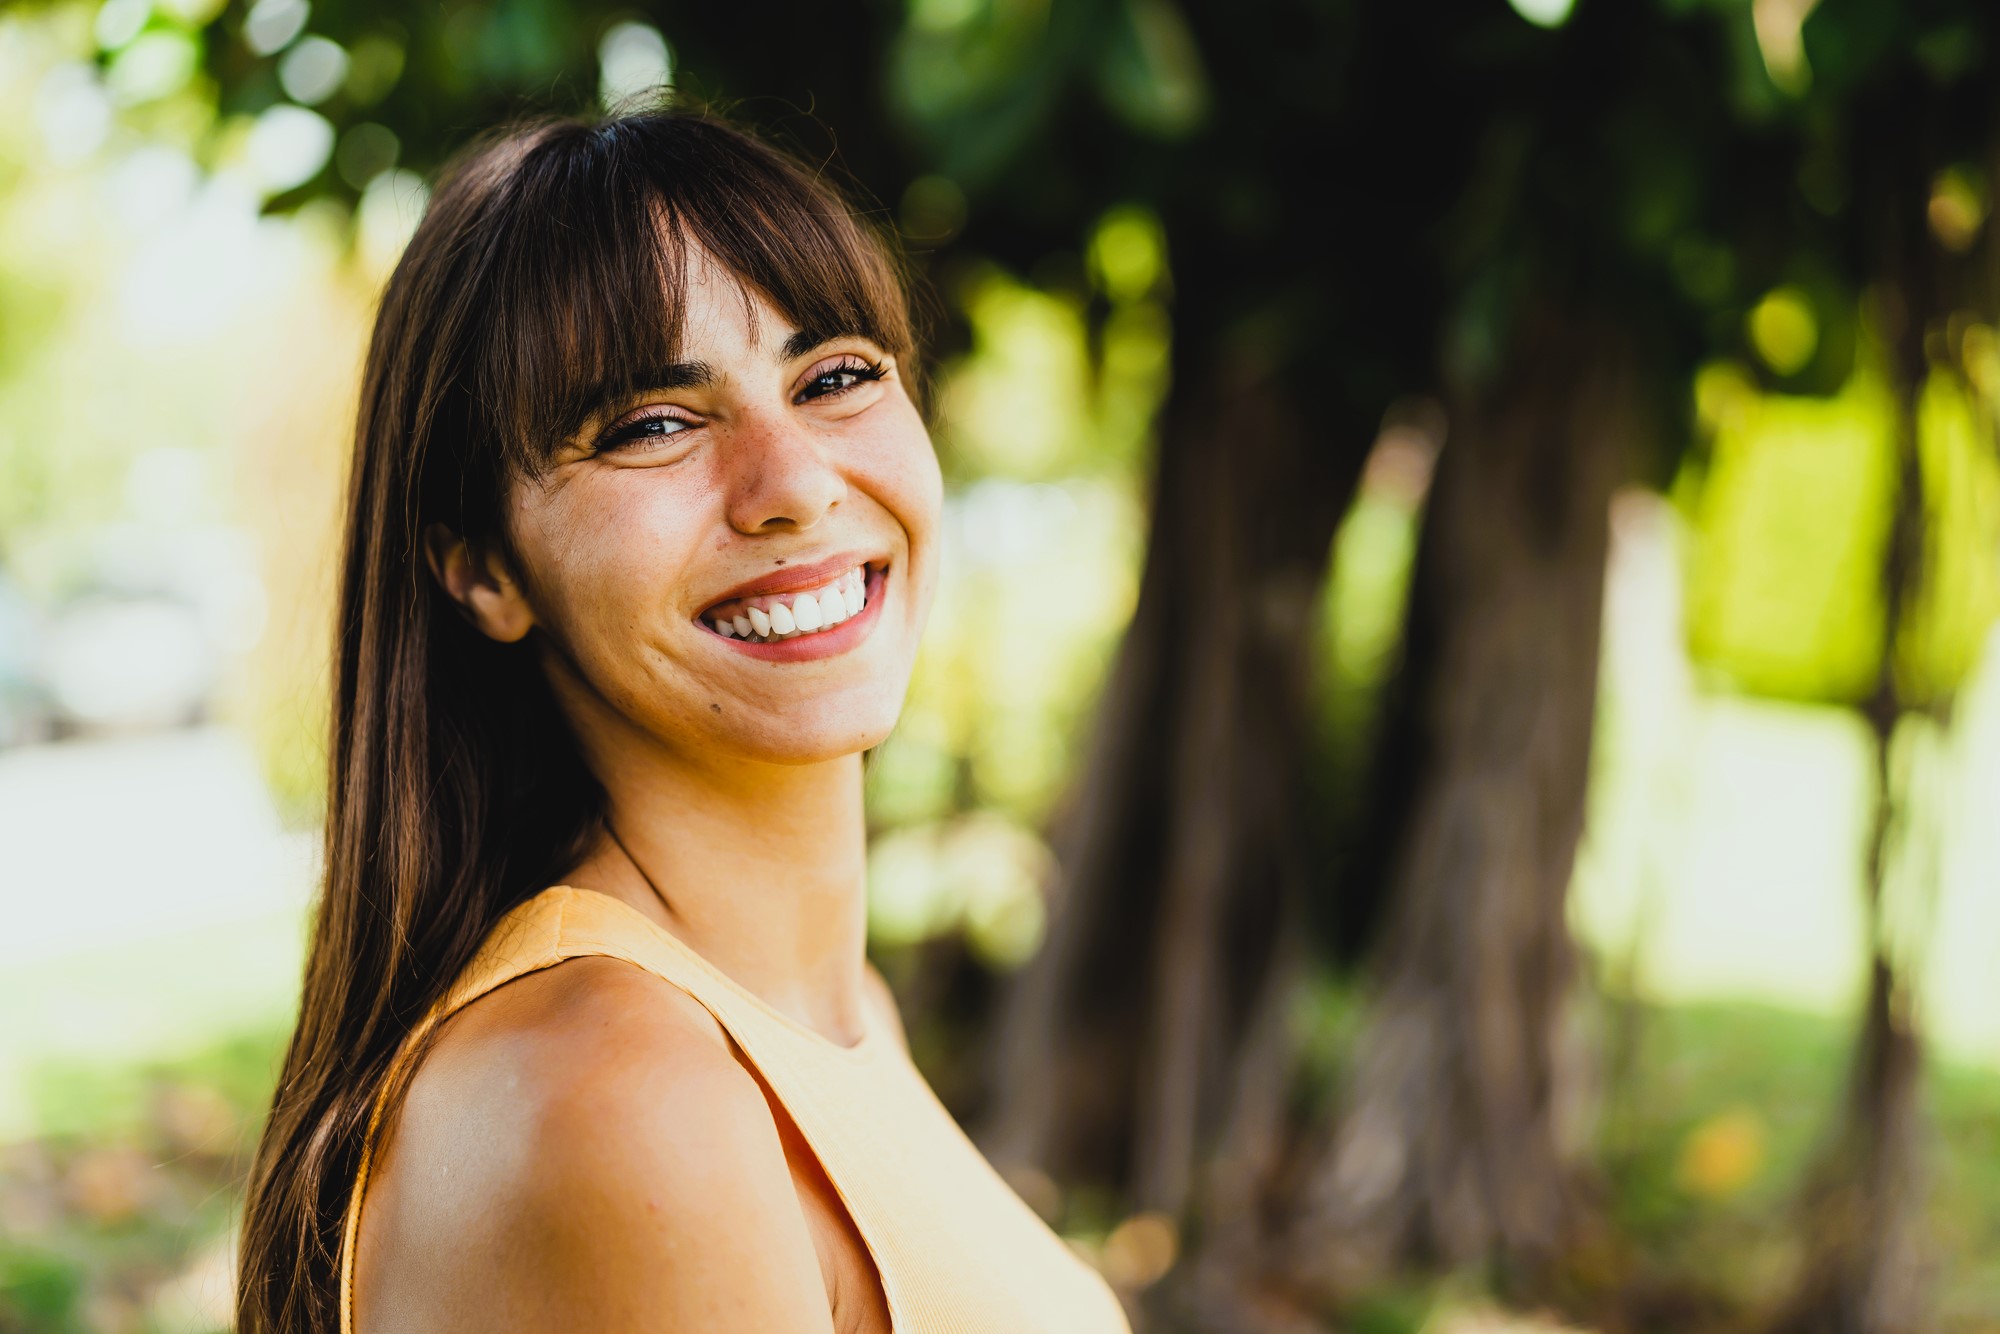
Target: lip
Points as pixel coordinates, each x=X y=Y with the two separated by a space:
x=822 y=643
x=796 y=578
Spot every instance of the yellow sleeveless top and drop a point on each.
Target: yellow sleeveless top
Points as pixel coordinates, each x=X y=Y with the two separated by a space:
x=958 y=1251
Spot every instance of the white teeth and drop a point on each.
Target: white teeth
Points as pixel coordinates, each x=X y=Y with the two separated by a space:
x=806 y=613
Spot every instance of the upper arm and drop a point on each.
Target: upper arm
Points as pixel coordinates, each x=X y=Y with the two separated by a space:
x=617 y=1170
x=660 y=1203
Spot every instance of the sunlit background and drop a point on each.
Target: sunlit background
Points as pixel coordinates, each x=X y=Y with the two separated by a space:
x=182 y=315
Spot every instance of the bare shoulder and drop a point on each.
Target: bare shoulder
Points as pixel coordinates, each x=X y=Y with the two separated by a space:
x=582 y=1149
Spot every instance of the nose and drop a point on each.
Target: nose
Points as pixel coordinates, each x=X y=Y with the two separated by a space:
x=779 y=475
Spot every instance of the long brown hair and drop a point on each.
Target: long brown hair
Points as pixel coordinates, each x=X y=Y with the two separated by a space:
x=543 y=281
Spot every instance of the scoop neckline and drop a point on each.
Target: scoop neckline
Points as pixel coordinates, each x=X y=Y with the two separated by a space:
x=863 y=1046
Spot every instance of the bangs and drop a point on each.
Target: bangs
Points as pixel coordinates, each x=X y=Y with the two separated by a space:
x=588 y=268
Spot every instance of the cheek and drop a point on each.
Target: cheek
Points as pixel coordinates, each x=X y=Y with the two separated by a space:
x=607 y=560
x=900 y=469
x=903 y=476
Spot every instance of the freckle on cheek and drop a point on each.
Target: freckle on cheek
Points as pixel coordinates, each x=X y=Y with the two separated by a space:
x=715 y=708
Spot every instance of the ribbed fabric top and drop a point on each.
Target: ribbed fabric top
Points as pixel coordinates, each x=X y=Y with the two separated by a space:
x=958 y=1251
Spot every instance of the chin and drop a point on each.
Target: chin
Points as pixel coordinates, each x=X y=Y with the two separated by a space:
x=816 y=740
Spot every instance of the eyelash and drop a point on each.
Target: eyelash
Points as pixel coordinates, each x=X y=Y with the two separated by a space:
x=860 y=368
x=635 y=430
x=863 y=371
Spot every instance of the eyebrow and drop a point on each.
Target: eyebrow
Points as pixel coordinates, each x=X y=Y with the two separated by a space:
x=806 y=340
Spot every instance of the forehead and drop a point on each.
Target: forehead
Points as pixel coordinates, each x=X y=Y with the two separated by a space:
x=721 y=311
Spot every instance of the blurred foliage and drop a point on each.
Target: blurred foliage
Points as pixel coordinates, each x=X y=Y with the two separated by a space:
x=1791 y=512
x=118 y=1217
x=1061 y=172
x=1707 y=1142
x=1362 y=604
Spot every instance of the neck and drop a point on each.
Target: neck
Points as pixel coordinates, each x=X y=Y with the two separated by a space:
x=761 y=868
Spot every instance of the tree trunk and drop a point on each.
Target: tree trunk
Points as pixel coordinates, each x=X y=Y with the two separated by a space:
x=1863 y=1271
x=1147 y=1034
x=1458 y=1142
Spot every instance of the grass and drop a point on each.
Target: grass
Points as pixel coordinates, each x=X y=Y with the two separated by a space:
x=1713 y=1115
x=118 y=1217
x=1719 y=1117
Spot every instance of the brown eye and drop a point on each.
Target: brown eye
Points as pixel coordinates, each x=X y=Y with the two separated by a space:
x=839 y=379
x=643 y=429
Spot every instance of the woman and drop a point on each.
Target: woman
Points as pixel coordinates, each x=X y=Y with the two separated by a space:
x=642 y=533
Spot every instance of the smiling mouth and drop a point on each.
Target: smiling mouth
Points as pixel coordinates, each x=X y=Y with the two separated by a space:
x=775 y=617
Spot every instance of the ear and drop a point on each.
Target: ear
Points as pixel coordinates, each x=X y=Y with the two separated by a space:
x=478 y=580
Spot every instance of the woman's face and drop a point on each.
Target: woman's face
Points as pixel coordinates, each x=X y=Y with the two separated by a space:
x=782 y=485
